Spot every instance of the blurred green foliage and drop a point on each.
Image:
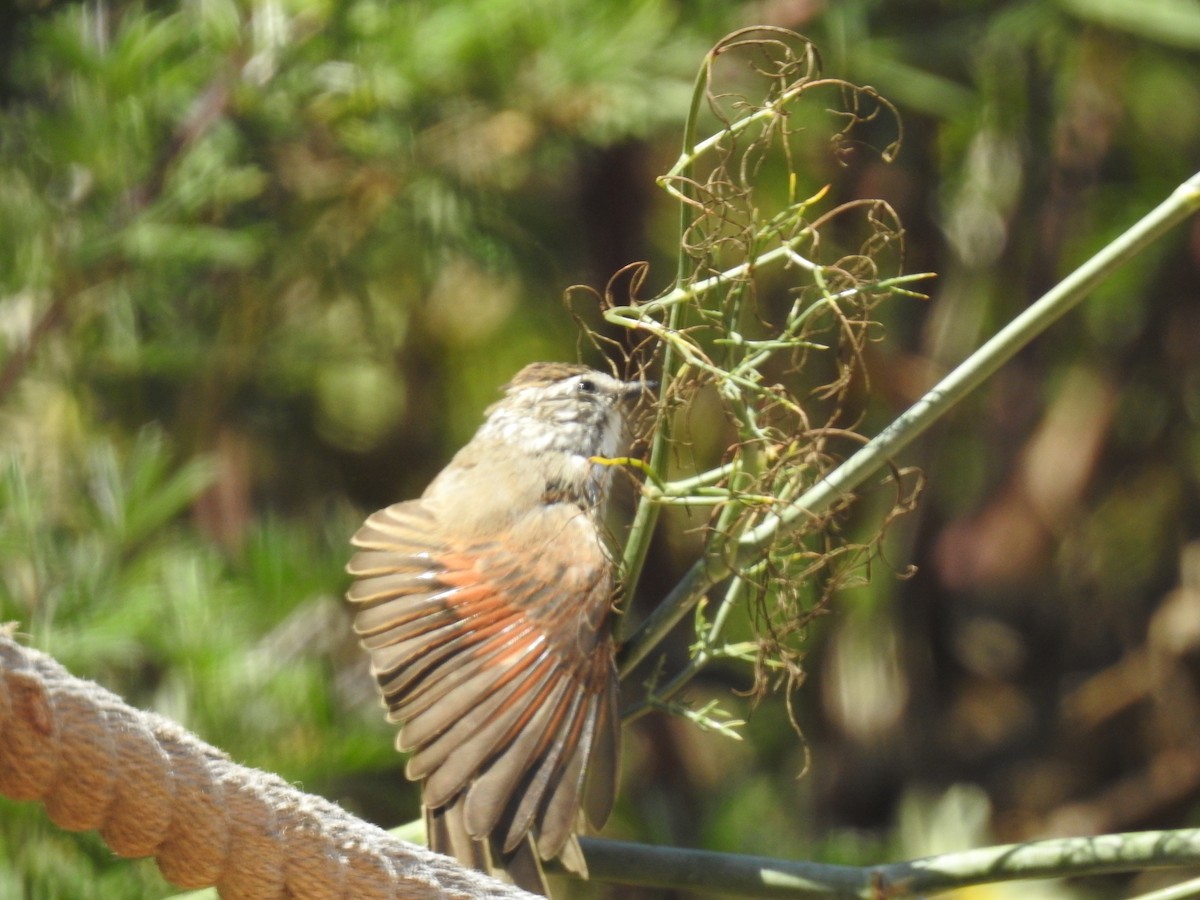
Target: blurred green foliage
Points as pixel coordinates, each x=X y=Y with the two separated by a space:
x=263 y=263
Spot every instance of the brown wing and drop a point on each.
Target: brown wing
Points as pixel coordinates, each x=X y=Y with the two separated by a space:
x=497 y=661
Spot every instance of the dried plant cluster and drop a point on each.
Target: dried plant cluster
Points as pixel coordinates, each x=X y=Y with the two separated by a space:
x=772 y=311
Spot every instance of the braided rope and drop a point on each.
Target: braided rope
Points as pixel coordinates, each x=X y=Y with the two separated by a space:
x=152 y=788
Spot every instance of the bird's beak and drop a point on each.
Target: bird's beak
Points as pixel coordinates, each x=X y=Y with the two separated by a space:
x=637 y=388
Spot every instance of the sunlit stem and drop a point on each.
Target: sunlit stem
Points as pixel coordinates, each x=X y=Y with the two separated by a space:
x=695 y=151
x=683 y=293
x=622 y=315
x=1005 y=344
x=684 y=485
x=753 y=544
x=757 y=876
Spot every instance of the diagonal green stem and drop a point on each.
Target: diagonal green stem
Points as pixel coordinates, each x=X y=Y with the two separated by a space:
x=983 y=363
x=874 y=455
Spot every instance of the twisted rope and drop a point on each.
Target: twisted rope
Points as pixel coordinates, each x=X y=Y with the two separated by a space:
x=153 y=789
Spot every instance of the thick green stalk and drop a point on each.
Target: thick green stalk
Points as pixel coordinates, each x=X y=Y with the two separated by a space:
x=984 y=362
x=756 y=876
x=874 y=455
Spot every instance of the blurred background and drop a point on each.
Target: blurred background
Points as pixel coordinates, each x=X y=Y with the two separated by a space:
x=263 y=264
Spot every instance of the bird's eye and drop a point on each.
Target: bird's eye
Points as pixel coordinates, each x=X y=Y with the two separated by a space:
x=586 y=386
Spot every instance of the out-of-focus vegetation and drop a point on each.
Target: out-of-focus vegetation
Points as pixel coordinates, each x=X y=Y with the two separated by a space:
x=262 y=265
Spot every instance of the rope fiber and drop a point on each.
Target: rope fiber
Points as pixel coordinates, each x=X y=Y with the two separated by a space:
x=151 y=788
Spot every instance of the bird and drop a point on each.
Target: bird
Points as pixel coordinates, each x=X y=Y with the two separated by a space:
x=485 y=608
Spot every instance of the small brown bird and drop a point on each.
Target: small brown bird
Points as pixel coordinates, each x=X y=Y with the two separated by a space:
x=484 y=606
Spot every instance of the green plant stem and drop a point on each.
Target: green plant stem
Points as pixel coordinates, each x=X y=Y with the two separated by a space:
x=623 y=862
x=683 y=165
x=637 y=545
x=874 y=455
x=701 y=658
x=984 y=362
x=702 y=575
x=683 y=292
x=684 y=486
x=756 y=876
